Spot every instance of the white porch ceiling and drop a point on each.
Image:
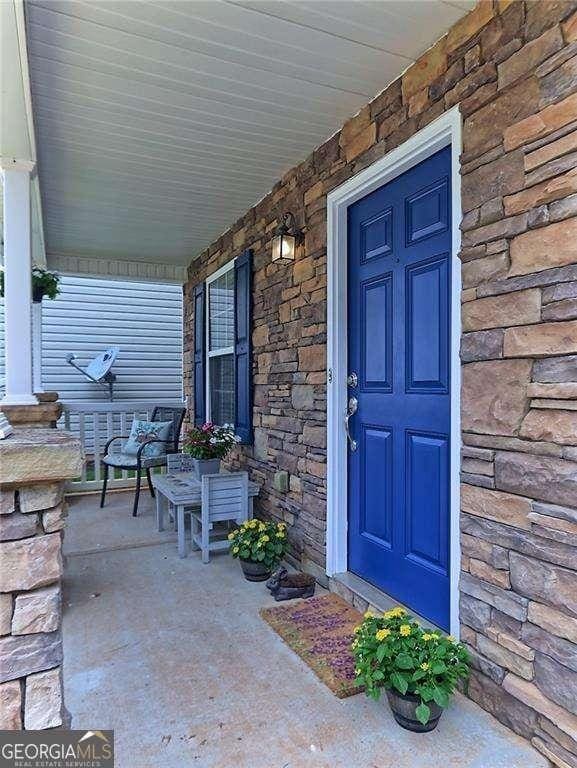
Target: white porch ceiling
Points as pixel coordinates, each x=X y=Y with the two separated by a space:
x=158 y=124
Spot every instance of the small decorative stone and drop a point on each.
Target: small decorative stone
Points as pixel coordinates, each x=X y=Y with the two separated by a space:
x=43 y=702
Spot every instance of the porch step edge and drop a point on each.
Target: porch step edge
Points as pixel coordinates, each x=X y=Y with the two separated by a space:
x=364 y=596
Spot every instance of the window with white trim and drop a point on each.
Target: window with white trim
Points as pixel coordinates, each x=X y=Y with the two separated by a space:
x=222 y=355
x=220 y=338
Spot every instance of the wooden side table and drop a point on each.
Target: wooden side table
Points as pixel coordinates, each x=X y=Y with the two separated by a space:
x=182 y=490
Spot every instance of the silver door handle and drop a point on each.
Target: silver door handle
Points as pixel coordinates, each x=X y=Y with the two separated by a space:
x=351 y=410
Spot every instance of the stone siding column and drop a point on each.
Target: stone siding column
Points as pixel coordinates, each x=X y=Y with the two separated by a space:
x=34 y=463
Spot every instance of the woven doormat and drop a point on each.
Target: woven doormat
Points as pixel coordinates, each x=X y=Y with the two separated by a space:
x=320 y=630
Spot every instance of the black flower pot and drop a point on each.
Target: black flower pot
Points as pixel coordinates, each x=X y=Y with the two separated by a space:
x=404 y=709
x=254 y=571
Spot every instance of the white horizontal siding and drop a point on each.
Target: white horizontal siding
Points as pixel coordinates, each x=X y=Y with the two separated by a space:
x=143 y=319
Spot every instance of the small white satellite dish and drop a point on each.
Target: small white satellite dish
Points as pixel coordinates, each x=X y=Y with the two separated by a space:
x=98 y=370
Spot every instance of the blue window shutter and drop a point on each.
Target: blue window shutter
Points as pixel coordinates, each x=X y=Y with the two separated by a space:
x=243 y=346
x=199 y=355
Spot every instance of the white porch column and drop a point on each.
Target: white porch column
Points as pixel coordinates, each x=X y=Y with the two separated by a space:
x=37 y=346
x=18 y=282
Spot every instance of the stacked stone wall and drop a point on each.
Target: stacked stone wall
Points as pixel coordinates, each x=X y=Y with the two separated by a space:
x=33 y=464
x=512 y=69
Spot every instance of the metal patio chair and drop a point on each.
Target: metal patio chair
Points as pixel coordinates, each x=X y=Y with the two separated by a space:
x=139 y=462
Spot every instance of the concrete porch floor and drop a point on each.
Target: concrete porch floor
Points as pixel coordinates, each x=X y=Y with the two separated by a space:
x=174 y=657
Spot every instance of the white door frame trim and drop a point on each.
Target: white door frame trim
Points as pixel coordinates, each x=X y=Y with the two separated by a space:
x=442 y=132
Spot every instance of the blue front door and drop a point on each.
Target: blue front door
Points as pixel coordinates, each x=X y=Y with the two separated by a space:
x=399 y=278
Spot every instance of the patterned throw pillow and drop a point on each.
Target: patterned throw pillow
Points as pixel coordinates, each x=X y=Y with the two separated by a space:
x=142 y=432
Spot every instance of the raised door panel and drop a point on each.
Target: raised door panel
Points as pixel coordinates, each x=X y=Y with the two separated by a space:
x=427 y=475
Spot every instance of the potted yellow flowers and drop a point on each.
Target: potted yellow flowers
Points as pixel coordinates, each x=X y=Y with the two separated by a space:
x=419 y=669
x=260 y=546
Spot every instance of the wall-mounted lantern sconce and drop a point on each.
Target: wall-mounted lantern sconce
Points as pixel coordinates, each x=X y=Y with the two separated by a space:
x=286 y=239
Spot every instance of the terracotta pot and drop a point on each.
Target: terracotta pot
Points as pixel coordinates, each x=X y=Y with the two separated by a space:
x=206 y=467
x=254 y=571
x=404 y=711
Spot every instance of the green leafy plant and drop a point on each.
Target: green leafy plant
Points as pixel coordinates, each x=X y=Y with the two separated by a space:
x=210 y=441
x=394 y=651
x=44 y=283
x=259 y=542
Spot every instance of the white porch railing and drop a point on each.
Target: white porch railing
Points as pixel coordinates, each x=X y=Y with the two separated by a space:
x=95 y=423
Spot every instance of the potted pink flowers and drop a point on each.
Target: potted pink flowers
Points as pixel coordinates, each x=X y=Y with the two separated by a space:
x=208 y=445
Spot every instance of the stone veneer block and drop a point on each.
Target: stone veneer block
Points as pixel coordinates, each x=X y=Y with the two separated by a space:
x=569 y=28
x=548 y=120
x=556 y=370
x=7 y=502
x=530 y=695
x=544 y=248
x=494 y=395
x=530 y=56
x=30 y=563
x=539 y=477
x=39 y=455
x=557 y=681
x=17 y=526
x=426 y=69
x=541 y=340
x=495 y=505
x=469 y=25
x=517 y=308
x=37 y=611
x=35 y=498
x=504 y=657
x=54 y=519
x=24 y=654
x=5 y=613
x=554 y=621
x=540 y=194
x=556 y=425
x=502 y=599
x=43 y=700
x=544 y=582
x=10 y=706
